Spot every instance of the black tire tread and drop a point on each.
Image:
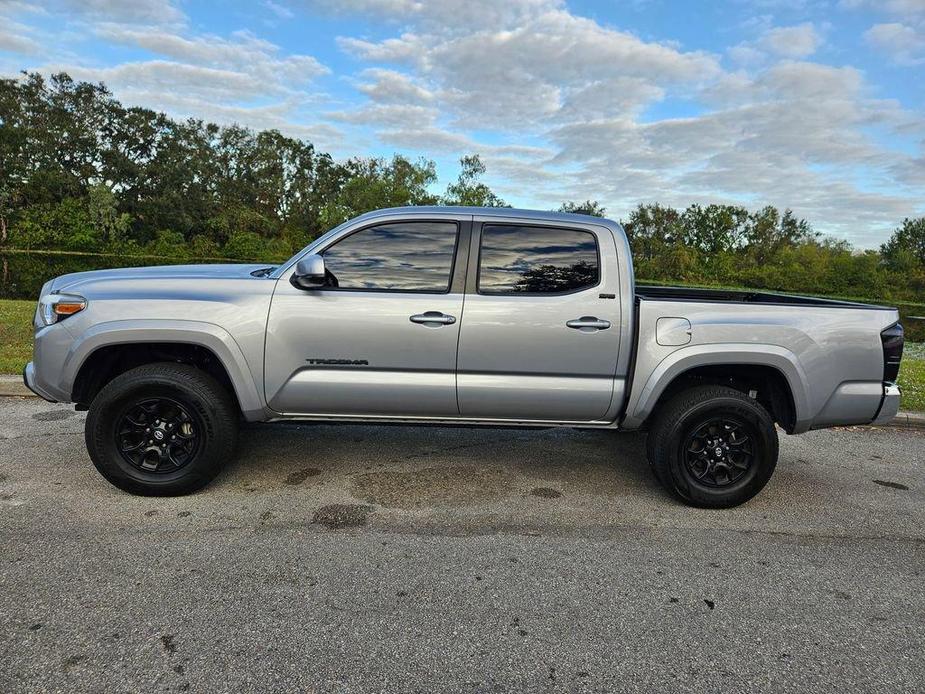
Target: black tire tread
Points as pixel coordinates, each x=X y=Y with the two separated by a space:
x=660 y=440
x=218 y=410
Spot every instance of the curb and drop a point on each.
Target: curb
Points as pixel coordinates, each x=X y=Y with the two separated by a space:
x=13 y=387
x=907 y=420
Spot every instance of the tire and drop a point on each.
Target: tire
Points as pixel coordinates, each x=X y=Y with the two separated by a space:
x=703 y=437
x=195 y=435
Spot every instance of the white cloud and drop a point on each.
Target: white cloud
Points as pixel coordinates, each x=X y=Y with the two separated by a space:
x=279 y=10
x=445 y=16
x=389 y=115
x=550 y=64
x=909 y=9
x=780 y=130
x=903 y=44
x=388 y=86
x=795 y=136
x=559 y=106
x=16 y=37
x=746 y=55
x=240 y=78
x=16 y=41
x=161 y=75
x=792 y=42
x=405 y=49
x=245 y=53
x=133 y=12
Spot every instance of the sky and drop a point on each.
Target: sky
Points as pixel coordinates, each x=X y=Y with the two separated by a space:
x=815 y=105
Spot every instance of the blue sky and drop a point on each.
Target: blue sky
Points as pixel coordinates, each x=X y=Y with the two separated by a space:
x=816 y=105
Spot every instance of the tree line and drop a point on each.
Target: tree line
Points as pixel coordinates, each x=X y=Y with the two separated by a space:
x=81 y=172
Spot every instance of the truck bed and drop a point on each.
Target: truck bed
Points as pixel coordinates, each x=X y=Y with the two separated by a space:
x=740 y=296
x=829 y=352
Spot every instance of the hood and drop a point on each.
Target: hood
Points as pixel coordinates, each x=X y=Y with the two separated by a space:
x=154 y=272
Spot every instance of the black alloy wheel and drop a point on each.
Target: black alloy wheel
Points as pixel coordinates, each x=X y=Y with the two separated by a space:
x=720 y=451
x=158 y=435
x=162 y=429
x=712 y=446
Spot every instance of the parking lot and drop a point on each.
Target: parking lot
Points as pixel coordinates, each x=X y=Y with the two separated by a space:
x=361 y=558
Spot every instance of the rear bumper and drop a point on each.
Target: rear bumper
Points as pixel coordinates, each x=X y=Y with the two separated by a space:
x=890 y=404
x=28 y=377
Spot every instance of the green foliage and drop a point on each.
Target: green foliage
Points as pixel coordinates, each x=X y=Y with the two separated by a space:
x=730 y=246
x=167 y=243
x=80 y=172
x=15 y=335
x=468 y=190
x=905 y=251
x=372 y=184
x=244 y=245
x=912 y=377
x=592 y=208
x=201 y=246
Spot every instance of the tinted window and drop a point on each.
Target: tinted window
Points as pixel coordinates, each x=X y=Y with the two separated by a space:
x=536 y=260
x=412 y=256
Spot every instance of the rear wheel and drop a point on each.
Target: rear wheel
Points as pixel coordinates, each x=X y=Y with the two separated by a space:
x=712 y=446
x=161 y=429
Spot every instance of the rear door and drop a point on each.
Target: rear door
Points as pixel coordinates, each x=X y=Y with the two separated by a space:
x=383 y=341
x=541 y=332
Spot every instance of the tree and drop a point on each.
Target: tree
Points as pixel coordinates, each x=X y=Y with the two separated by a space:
x=81 y=172
x=906 y=247
x=372 y=184
x=468 y=190
x=714 y=229
x=769 y=232
x=110 y=225
x=589 y=207
x=651 y=228
x=6 y=209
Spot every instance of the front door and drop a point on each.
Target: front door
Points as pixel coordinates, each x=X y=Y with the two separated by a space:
x=381 y=342
x=541 y=332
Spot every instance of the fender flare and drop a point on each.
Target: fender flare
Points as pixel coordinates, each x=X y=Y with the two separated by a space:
x=643 y=401
x=208 y=335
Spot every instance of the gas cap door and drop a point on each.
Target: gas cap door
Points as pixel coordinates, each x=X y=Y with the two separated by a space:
x=672 y=332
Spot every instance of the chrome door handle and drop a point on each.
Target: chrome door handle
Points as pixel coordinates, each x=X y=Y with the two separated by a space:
x=432 y=319
x=588 y=324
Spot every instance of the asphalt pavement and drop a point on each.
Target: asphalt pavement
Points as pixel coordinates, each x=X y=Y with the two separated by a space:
x=374 y=558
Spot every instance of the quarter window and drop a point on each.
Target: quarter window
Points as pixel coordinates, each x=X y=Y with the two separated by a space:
x=536 y=260
x=404 y=257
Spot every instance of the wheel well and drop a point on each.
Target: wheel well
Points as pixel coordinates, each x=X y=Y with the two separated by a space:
x=764 y=383
x=105 y=363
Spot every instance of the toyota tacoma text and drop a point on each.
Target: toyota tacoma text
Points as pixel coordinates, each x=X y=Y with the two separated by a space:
x=442 y=315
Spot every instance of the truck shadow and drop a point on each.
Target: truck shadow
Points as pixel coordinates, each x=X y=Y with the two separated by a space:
x=419 y=467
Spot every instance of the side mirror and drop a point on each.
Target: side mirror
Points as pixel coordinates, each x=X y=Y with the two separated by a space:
x=309 y=273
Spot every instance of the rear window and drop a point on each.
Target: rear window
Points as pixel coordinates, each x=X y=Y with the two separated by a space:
x=536 y=260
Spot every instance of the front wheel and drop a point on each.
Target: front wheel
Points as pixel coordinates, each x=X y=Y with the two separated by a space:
x=713 y=447
x=161 y=429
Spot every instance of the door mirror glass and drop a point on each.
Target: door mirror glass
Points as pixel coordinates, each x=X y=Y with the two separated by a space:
x=309 y=273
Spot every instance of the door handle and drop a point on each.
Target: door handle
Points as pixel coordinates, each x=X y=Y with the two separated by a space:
x=432 y=319
x=588 y=324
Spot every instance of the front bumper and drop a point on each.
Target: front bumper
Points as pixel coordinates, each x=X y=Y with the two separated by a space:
x=28 y=377
x=890 y=404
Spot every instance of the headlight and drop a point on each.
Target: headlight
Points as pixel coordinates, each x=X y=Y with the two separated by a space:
x=56 y=307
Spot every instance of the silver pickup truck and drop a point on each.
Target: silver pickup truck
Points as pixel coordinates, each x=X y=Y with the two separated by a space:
x=442 y=315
